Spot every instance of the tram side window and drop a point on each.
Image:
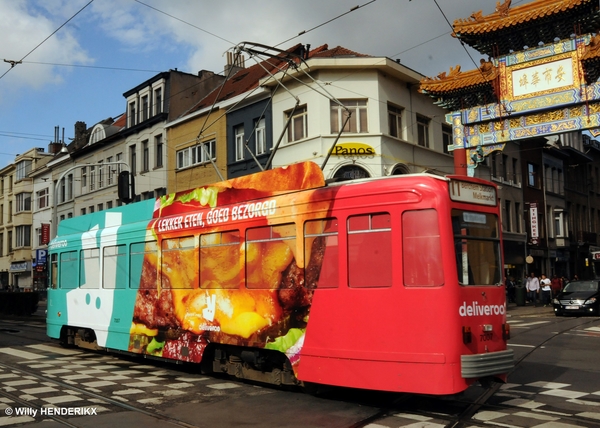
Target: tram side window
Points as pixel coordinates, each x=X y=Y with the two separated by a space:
x=220 y=260
x=53 y=271
x=268 y=254
x=89 y=268
x=179 y=263
x=69 y=269
x=421 y=249
x=143 y=258
x=114 y=266
x=321 y=253
x=370 y=250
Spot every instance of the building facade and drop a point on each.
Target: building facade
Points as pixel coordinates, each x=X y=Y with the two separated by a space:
x=537 y=93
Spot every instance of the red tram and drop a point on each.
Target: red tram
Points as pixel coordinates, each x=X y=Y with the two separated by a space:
x=388 y=284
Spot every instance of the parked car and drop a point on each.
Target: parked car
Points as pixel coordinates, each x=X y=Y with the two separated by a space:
x=578 y=297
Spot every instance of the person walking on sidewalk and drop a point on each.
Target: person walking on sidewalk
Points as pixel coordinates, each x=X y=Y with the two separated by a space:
x=533 y=288
x=545 y=285
x=556 y=284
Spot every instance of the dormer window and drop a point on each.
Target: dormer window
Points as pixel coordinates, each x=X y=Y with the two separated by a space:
x=97 y=135
x=158 y=107
x=145 y=106
x=131 y=119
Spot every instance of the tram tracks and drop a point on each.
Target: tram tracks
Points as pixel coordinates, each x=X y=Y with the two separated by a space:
x=83 y=391
x=470 y=408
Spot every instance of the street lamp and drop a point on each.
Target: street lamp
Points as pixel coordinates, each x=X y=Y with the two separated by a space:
x=55 y=201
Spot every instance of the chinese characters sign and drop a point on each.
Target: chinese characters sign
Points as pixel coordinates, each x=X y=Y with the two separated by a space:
x=543 y=77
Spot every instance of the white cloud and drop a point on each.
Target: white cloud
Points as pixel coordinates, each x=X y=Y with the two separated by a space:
x=24 y=27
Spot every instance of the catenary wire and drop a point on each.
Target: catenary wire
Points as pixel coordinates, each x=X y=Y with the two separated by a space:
x=53 y=33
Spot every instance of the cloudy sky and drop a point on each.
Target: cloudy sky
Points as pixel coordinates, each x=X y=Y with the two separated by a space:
x=105 y=47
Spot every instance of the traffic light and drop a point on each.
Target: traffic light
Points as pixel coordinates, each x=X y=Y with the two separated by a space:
x=126 y=187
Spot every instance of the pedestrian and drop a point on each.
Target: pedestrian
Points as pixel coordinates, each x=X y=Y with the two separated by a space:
x=510 y=289
x=533 y=288
x=546 y=290
x=575 y=278
x=556 y=285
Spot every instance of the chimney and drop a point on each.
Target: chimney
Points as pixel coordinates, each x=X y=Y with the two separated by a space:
x=235 y=63
x=80 y=128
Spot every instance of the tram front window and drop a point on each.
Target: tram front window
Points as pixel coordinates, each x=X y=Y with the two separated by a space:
x=477 y=246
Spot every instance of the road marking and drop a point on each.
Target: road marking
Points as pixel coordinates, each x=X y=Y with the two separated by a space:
x=522 y=346
x=54 y=349
x=22 y=354
x=549 y=385
x=564 y=394
x=527 y=324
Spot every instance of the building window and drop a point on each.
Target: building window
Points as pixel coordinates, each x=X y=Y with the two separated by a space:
x=532 y=175
x=559 y=224
x=158 y=148
x=507 y=223
x=298 y=127
x=43 y=198
x=69 y=194
x=1 y=244
x=446 y=138
x=92 y=177
x=9 y=242
x=261 y=138
x=109 y=171
x=395 y=121
x=83 y=211
x=23 y=169
x=358 y=116
x=158 y=101
x=10 y=211
x=132 y=114
x=145 y=156
x=518 y=217
x=238 y=131
x=132 y=160
x=100 y=175
x=23 y=202
x=23 y=236
x=144 y=107
x=97 y=135
x=100 y=207
x=423 y=131
x=84 y=176
x=196 y=155
x=119 y=159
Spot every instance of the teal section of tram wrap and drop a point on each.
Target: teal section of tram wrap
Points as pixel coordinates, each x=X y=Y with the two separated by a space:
x=106 y=308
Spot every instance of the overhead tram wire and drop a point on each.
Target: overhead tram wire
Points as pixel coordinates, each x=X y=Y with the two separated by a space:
x=93 y=66
x=43 y=41
x=301 y=33
x=187 y=23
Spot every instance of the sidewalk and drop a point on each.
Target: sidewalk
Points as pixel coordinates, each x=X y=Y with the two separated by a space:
x=529 y=310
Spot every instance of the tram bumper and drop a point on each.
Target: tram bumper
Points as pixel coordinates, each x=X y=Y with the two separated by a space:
x=488 y=364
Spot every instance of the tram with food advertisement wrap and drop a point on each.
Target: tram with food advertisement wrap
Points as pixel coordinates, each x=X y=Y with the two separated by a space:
x=392 y=283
